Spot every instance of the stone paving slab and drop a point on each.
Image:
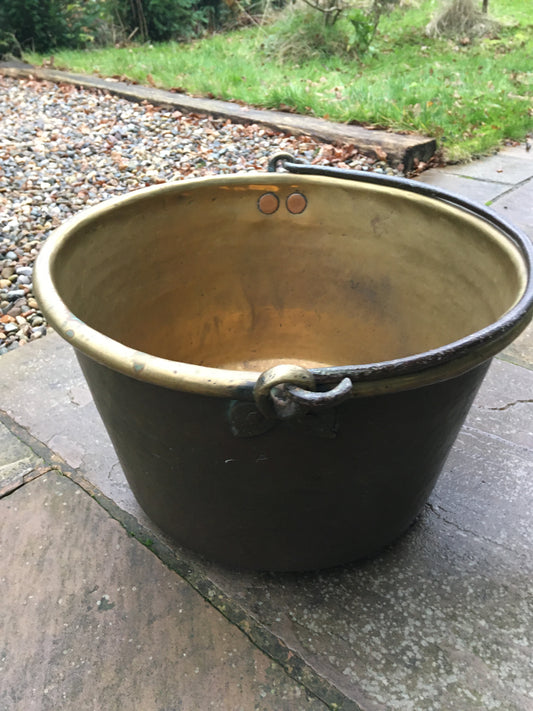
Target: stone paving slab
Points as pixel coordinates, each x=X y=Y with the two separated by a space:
x=517 y=205
x=43 y=390
x=92 y=620
x=503 y=181
x=504 y=406
x=482 y=191
x=18 y=462
x=520 y=151
x=500 y=168
x=440 y=621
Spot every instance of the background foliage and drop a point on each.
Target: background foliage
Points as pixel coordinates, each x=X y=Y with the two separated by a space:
x=44 y=25
x=471 y=92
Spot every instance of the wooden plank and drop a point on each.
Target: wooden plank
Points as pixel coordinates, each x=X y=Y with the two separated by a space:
x=400 y=149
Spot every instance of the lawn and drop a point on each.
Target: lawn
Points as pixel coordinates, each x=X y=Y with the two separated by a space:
x=470 y=95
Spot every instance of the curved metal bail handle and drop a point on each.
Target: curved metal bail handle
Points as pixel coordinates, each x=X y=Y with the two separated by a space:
x=293 y=164
x=313 y=400
x=286 y=391
x=278 y=160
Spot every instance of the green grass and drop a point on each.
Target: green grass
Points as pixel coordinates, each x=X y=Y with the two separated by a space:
x=471 y=97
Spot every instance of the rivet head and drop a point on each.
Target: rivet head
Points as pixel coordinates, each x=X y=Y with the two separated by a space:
x=296 y=203
x=268 y=203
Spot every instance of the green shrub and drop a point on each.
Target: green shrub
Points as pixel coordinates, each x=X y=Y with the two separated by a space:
x=300 y=35
x=325 y=28
x=156 y=20
x=45 y=25
x=363 y=29
x=9 y=46
x=42 y=25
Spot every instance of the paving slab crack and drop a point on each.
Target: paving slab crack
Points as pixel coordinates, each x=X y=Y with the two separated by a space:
x=40 y=449
x=511 y=189
x=13 y=483
x=435 y=509
x=508 y=405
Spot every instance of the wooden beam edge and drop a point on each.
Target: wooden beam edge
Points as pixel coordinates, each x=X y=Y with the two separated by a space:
x=399 y=148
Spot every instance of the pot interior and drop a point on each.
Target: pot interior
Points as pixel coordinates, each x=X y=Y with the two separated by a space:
x=206 y=273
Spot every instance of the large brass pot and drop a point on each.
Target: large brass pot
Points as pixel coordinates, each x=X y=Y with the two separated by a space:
x=283 y=361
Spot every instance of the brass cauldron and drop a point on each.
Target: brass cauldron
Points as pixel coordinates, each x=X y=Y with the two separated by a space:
x=284 y=360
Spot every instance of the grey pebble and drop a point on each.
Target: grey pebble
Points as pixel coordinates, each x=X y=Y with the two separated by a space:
x=14 y=294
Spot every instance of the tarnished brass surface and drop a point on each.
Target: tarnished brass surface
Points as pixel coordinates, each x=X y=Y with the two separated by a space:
x=189 y=285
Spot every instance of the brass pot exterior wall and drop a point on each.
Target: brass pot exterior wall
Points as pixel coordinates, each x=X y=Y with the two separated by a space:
x=324 y=490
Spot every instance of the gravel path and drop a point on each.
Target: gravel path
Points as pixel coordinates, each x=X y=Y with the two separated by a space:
x=63 y=149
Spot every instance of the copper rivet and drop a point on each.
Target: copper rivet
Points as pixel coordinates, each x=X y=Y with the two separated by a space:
x=296 y=203
x=268 y=203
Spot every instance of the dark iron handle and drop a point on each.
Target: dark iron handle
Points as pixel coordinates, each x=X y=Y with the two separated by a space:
x=287 y=391
x=295 y=165
x=329 y=398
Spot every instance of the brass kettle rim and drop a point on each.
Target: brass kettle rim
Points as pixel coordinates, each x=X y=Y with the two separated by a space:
x=372 y=378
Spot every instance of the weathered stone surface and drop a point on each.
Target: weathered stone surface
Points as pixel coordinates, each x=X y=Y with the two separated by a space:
x=500 y=168
x=17 y=461
x=91 y=619
x=43 y=390
x=521 y=350
x=472 y=188
x=504 y=405
x=517 y=206
x=519 y=151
